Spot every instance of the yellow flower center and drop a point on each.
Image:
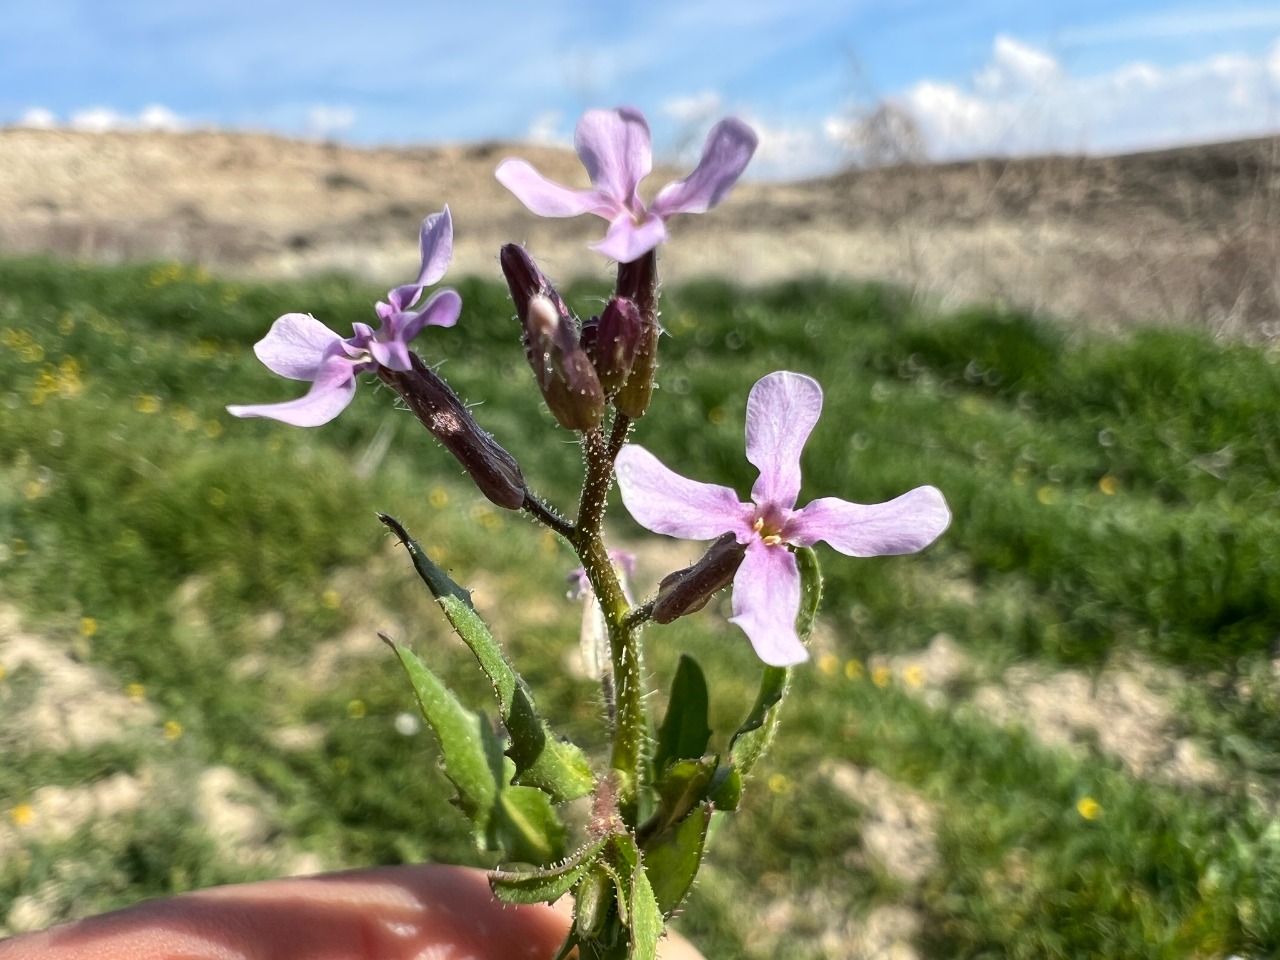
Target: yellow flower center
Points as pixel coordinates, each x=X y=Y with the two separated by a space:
x=769 y=539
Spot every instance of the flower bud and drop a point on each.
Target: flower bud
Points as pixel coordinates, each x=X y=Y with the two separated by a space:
x=688 y=590
x=638 y=283
x=560 y=365
x=432 y=401
x=618 y=337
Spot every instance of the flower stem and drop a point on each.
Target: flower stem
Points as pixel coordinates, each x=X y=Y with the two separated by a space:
x=630 y=728
x=534 y=506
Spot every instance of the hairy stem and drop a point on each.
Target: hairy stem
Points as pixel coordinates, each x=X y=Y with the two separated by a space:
x=630 y=729
x=534 y=506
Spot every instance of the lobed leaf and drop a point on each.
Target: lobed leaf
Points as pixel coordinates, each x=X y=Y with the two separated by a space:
x=557 y=767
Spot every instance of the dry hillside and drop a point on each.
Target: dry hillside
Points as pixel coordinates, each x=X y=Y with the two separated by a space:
x=1185 y=234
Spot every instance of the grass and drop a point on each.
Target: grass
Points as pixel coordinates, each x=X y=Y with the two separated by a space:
x=1113 y=498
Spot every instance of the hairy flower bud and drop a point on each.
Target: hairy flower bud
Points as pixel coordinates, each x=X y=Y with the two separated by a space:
x=638 y=283
x=618 y=338
x=432 y=401
x=688 y=590
x=560 y=364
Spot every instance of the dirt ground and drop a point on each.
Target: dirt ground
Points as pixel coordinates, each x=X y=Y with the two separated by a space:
x=1190 y=234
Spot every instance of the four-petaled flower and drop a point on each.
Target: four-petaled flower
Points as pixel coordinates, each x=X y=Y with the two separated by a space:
x=615 y=148
x=782 y=410
x=300 y=347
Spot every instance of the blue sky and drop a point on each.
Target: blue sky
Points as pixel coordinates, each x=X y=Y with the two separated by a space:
x=991 y=76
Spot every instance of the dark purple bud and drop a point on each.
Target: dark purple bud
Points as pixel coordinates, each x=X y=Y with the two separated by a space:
x=618 y=340
x=688 y=590
x=432 y=401
x=560 y=364
x=638 y=283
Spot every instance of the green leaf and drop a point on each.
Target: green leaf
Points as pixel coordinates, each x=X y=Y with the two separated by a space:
x=684 y=733
x=530 y=829
x=684 y=787
x=646 y=918
x=470 y=752
x=517 y=821
x=542 y=759
x=753 y=737
x=672 y=859
x=545 y=885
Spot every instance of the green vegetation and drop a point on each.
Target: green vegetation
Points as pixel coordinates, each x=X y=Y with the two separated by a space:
x=1116 y=501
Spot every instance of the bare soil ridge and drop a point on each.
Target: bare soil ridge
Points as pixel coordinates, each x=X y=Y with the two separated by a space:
x=1188 y=234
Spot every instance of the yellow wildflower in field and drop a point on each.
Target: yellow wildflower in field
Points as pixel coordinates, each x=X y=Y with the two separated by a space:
x=913 y=676
x=829 y=663
x=88 y=626
x=1109 y=485
x=172 y=730
x=146 y=403
x=331 y=599
x=185 y=418
x=23 y=815
x=854 y=670
x=357 y=709
x=1048 y=495
x=136 y=692
x=881 y=676
x=3 y=672
x=1088 y=808
x=780 y=784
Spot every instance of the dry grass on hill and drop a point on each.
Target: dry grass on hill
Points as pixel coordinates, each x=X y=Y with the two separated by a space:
x=1189 y=234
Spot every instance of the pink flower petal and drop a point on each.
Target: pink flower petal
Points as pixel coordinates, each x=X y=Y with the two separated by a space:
x=781 y=412
x=663 y=501
x=441 y=310
x=392 y=354
x=296 y=345
x=626 y=242
x=435 y=243
x=547 y=198
x=328 y=397
x=904 y=525
x=727 y=152
x=766 y=599
x=615 y=148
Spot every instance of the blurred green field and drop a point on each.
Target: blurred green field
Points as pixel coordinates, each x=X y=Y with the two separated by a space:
x=1117 y=514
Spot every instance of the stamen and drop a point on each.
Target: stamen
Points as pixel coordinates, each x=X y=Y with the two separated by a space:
x=758 y=525
x=772 y=540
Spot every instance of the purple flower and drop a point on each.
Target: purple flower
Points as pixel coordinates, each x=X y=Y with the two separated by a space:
x=300 y=347
x=781 y=412
x=615 y=148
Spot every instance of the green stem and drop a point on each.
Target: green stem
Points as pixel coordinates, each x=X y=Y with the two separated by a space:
x=630 y=728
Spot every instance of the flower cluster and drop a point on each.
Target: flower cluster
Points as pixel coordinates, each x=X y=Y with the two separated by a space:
x=652 y=808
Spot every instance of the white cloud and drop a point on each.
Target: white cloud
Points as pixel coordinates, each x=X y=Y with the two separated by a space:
x=1015 y=68
x=546 y=130
x=698 y=108
x=38 y=118
x=104 y=119
x=329 y=120
x=790 y=151
x=1023 y=101
x=97 y=120
x=156 y=117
